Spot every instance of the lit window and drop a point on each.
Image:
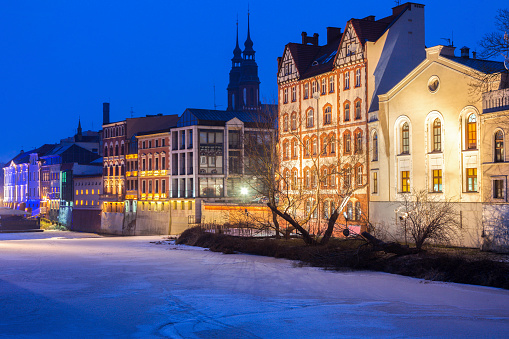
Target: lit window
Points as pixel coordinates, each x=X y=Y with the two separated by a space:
x=347 y=177
x=472 y=131
x=437 y=180
x=437 y=135
x=405 y=181
x=471 y=179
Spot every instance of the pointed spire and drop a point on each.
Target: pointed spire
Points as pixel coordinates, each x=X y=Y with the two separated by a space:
x=237 y=52
x=249 y=43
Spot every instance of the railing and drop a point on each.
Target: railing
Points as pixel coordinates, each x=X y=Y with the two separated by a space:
x=239 y=230
x=495 y=101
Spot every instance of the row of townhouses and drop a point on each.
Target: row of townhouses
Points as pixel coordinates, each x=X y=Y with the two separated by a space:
x=370 y=116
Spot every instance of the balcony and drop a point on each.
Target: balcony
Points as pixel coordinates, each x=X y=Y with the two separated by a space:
x=112 y=197
x=495 y=101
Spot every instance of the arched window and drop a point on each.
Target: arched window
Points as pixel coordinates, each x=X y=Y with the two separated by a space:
x=294 y=179
x=294 y=121
x=357 y=110
x=285 y=149
x=405 y=138
x=315 y=145
x=327 y=119
x=349 y=210
x=358 y=210
x=347 y=112
x=499 y=146
x=116 y=149
x=437 y=135
x=295 y=149
x=285 y=123
x=358 y=142
x=105 y=151
x=375 y=146
x=310 y=118
x=346 y=142
x=287 y=179
x=347 y=177
x=472 y=131
x=326 y=213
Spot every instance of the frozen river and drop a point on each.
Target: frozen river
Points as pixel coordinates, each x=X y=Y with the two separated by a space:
x=68 y=285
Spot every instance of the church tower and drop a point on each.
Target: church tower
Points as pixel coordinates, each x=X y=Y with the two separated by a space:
x=235 y=72
x=249 y=84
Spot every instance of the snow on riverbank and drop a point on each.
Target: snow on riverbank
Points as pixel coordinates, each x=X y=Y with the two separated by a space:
x=71 y=284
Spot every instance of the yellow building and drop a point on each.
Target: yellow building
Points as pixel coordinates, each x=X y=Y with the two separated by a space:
x=431 y=134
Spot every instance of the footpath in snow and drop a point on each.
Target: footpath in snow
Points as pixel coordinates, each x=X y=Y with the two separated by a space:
x=63 y=284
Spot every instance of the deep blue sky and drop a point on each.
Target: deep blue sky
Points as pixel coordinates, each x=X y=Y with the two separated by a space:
x=61 y=60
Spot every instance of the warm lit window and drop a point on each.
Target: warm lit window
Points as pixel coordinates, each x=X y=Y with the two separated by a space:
x=347 y=177
x=405 y=181
x=358 y=78
x=375 y=182
x=358 y=175
x=294 y=180
x=310 y=118
x=358 y=210
x=405 y=139
x=498 y=189
x=472 y=131
x=499 y=146
x=285 y=149
x=437 y=135
x=331 y=84
x=471 y=179
x=294 y=93
x=327 y=115
x=437 y=180
x=349 y=210
x=347 y=112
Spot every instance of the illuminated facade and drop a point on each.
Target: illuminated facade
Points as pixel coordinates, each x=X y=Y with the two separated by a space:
x=86 y=212
x=434 y=134
x=325 y=95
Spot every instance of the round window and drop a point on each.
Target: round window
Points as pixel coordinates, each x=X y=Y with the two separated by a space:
x=433 y=84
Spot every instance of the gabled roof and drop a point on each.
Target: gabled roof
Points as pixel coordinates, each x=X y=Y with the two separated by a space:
x=24 y=157
x=485 y=66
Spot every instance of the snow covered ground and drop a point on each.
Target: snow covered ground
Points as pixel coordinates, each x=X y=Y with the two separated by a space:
x=72 y=285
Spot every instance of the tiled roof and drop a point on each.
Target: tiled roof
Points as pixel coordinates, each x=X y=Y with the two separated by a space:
x=486 y=66
x=24 y=157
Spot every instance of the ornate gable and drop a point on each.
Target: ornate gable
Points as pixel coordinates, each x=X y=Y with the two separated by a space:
x=350 y=48
x=288 y=70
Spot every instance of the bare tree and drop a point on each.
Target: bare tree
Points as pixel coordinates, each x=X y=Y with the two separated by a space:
x=495 y=43
x=429 y=217
x=309 y=199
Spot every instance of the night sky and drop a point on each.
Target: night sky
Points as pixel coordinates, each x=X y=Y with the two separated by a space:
x=61 y=60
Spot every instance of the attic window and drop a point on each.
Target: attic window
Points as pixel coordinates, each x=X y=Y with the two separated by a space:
x=315 y=63
x=433 y=84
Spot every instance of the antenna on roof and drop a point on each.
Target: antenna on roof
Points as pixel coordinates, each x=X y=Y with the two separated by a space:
x=132 y=112
x=450 y=41
x=398 y=2
x=215 y=106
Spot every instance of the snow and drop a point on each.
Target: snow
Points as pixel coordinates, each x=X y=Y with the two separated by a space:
x=63 y=284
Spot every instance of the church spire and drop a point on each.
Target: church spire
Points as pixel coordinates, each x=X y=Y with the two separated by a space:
x=237 y=52
x=248 y=51
x=79 y=127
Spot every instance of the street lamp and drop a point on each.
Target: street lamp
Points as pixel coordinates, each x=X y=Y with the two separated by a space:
x=346 y=231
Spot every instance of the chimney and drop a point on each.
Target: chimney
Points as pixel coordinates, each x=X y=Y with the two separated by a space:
x=465 y=52
x=370 y=18
x=106 y=113
x=474 y=55
x=333 y=33
x=398 y=9
x=309 y=40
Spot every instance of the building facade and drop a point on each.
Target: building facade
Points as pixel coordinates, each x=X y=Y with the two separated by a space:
x=325 y=95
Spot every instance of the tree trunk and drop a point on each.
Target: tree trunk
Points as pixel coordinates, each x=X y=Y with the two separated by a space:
x=330 y=228
x=305 y=234
x=391 y=247
x=276 y=224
